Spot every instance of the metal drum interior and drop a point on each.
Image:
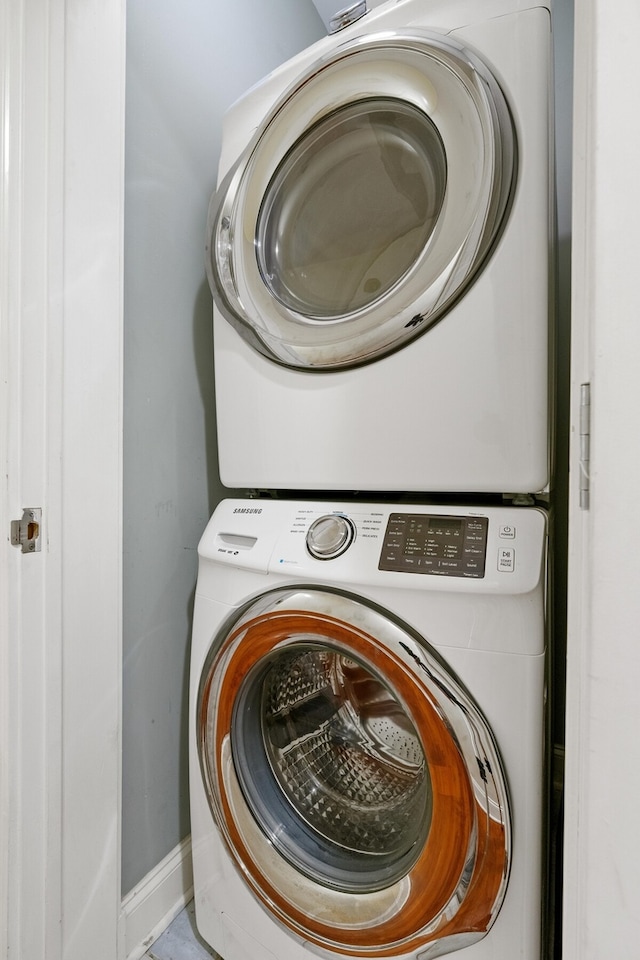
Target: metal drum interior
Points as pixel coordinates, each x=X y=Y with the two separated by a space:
x=332 y=767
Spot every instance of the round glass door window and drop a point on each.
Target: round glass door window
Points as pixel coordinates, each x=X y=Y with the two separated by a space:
x=351 y=208
x=366 y=203
x=332 y=767
x=353 y=780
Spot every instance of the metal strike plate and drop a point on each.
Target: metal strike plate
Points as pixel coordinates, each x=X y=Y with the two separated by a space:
x=25 y=533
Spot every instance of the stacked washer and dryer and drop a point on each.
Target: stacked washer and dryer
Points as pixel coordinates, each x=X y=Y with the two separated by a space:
x=368 y=659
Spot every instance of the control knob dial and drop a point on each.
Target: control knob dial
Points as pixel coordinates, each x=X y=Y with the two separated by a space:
x=329 y=536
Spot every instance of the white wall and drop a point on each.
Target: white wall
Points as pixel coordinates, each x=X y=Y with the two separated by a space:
x=187 y=60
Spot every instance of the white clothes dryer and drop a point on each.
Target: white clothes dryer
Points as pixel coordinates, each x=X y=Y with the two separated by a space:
x=378 y=250
x=366 y=740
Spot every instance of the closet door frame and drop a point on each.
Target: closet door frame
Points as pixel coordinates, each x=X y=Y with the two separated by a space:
x=602 y=843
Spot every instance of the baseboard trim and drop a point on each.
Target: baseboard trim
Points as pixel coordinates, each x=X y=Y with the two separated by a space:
x=157 y=900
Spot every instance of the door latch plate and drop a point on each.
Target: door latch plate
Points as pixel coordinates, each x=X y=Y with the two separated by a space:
x=25 y=533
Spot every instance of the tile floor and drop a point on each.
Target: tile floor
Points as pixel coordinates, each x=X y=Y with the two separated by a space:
x=181 y=940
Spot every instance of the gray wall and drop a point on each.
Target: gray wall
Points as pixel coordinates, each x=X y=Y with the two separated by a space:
x=187 y=60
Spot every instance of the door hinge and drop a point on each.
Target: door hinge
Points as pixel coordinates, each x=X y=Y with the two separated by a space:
x=585 y=444
x=25 y=533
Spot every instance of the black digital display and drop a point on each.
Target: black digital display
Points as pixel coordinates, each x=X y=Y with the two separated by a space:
x=438 y=545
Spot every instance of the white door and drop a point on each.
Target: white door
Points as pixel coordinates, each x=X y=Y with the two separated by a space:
x=366 y=202
x=61 y=102
x=602 y=845
x=352 y=776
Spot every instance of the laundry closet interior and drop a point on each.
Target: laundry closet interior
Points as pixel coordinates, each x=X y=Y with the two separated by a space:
x=321 y=474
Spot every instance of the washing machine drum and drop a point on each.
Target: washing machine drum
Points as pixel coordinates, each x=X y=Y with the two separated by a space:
x=353 y=779
x=366 y=203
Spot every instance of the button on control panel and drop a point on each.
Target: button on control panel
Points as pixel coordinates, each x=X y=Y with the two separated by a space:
x=439 y=545
x=506 y=559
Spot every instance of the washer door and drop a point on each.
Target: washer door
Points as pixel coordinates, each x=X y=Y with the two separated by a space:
x=355 y=782
x=365 y=204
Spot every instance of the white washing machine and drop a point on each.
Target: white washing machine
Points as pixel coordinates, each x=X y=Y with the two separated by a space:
x=378 y=250
x=366 y=742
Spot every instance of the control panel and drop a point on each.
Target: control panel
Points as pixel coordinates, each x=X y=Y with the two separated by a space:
x=444 y=546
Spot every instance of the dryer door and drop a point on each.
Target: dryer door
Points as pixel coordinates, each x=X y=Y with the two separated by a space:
x=365 y=204
x=354 y=780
